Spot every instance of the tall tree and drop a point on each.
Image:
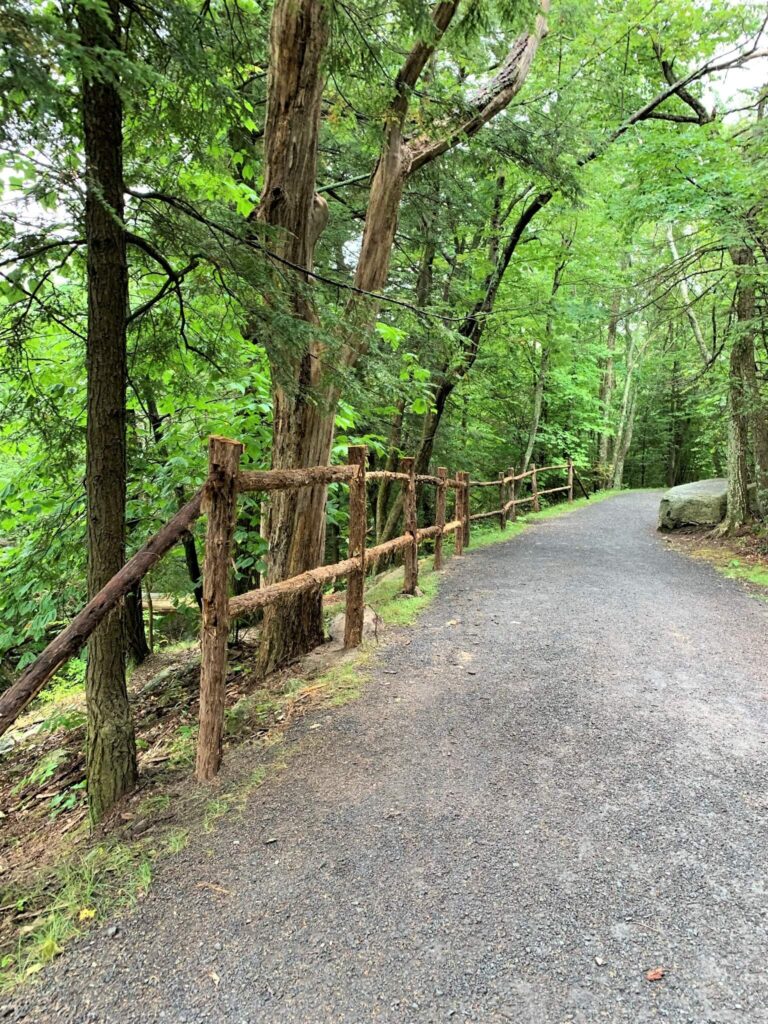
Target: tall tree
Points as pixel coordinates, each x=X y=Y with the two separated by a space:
x=111 y=747
x=307 y=387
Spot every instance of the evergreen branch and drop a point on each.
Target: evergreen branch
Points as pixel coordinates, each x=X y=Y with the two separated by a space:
x=184 y=207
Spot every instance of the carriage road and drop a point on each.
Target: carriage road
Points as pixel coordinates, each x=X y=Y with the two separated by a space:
x=556 y=783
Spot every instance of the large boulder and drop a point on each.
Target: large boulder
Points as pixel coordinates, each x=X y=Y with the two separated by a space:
x=702 y=503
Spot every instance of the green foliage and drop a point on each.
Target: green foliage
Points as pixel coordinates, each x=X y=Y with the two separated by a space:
x=205 y=342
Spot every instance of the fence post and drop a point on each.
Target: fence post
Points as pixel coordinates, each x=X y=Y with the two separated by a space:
x=465 y=480
x=220 y=501
x=264 y=534
x=512 y=494
x=358 y=525
x=534 y=489
x=411 y=559
x=458 y=513
x=570 y=478
x=502 y=496
x=442 y=473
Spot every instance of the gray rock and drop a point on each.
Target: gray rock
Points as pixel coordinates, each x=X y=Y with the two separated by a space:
x=371 y=622
x=702 y=503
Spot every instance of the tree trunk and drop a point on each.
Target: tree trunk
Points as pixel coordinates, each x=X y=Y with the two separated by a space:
x=111 y=748
x=624 y=440
x=302 y=436
x=135 y=636
x=305 y=396
x=738 y=482
x=303 y=417
x=754 y=408
x=538 y=400
x=607 y=384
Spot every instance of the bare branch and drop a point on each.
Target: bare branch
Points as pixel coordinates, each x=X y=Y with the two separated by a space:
x=493 y=98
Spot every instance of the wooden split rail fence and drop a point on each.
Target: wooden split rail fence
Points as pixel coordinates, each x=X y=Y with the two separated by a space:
x=218 y=498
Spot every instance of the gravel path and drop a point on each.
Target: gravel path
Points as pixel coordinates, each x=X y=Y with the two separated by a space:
x=558 y=784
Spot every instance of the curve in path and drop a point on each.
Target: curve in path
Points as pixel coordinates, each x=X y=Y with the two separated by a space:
x=558 y=784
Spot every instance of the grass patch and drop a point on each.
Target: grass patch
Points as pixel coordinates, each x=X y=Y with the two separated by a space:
x=743 y=557
x=80 y=891
x=344 y=682
x=757 y=575
x=393 y=607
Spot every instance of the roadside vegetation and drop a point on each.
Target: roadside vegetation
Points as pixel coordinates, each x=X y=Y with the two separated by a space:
x=742 y=557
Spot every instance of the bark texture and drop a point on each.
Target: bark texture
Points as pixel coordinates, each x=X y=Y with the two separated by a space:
x=303 y=415
x=738 y=480
x=754 y=410
x=221 y=505
x=358 y=525
x=111 y=748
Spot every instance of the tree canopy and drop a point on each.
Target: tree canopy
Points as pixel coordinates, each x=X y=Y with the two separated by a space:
x=482 y=233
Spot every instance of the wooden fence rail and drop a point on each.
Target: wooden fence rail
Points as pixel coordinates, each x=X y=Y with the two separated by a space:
x=510 y=480
x=219 y=499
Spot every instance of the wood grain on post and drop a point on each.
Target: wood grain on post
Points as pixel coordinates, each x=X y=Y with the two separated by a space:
x=287 y=479
x=442 y=473
x=465 y=480
x=570 y=478
x=512 y=496
x=534 y=489
x=220 y=501
x=411 y=560
x=502 y=502
x=312 y=579
x=358 y=523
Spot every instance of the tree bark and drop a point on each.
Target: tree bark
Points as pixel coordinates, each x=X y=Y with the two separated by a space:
x=220 y=500
x=111 y=747
x=135 y=638
x=303 y=415
x=753 y=406
x=623 y=438
x=737 y=510
x=607 y=384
